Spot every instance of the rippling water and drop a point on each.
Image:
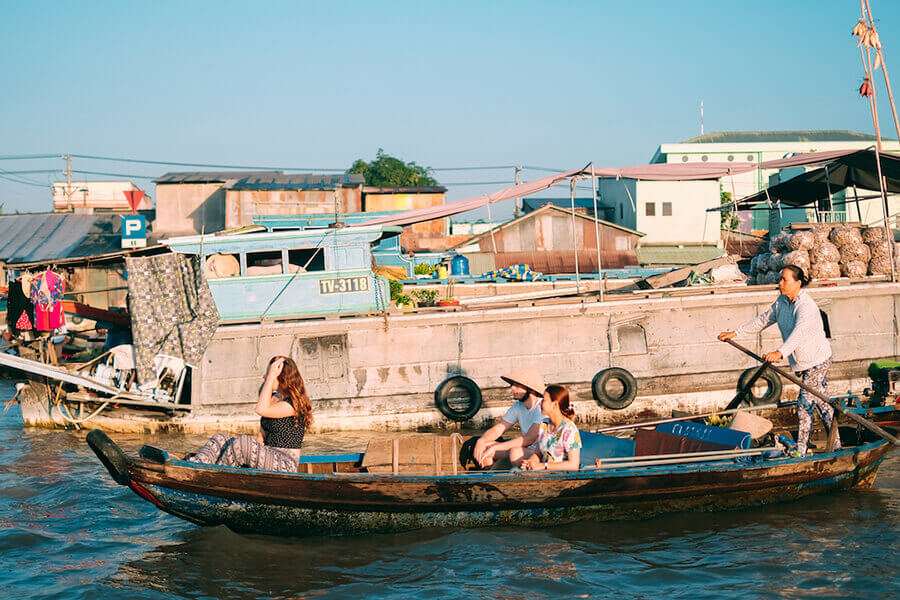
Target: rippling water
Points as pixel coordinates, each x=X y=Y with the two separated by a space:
x=67 y=531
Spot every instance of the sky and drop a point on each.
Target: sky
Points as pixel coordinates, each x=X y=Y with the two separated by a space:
x=316 y=85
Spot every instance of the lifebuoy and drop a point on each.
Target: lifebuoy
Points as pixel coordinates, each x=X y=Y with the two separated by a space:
x=614 y=400
x=773 y=389
x=458 y=398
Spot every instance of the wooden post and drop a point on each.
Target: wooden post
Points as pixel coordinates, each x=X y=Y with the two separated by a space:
x=395 y=456
x=454 y=456
x=438 y=455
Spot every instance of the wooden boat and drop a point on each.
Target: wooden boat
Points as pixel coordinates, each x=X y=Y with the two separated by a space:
x=354 y=494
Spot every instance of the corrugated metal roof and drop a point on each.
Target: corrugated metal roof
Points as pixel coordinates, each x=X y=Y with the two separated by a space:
x=823 y=135
x=409 y=189
x=210 y=176
x=297 y=181
x=47 y=236
x=532 y=204
x=676 y=255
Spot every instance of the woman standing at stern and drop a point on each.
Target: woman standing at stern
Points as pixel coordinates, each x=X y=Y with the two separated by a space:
x=285 y=413
x=559 y=443
x=804 y=342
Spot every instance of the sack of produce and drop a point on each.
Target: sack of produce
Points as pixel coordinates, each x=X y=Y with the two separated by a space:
x=824 y=252
x=843 y=235
x=802 y=240
x=871 y=235
x=754 y=264
x=779 y=243
x=773 y=277
x=855 y=251
x=825 y=270
x=879 y=248
x=776 y=262
x=821 y=233
x=798 y=258
x=762 y=262
x=880 y=265
x=854 y=268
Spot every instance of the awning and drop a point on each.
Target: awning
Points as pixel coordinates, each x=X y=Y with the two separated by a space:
x=857 y=169
x=655 y=172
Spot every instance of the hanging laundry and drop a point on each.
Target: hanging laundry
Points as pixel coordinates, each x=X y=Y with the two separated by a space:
x=19 y=309
x=47 y=293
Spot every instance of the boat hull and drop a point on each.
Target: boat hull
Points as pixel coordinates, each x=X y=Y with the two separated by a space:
x=252 y=501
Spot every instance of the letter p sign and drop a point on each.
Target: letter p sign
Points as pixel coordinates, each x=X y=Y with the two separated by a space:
x=134 y=231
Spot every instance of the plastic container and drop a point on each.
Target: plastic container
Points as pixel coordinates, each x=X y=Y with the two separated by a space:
x=442 y=272
x=459 y=265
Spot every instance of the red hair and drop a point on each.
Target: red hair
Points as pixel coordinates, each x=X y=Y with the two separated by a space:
x=560 y=395
x=290 y=384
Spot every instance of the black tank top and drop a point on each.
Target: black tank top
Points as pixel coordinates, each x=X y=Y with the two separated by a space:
x=283 y=432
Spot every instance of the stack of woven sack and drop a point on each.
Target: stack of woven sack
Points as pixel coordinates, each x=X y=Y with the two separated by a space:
x=878 y=241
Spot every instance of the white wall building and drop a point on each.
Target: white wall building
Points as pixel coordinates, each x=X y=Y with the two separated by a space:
x=99 y=196
x=758 y=146
x=665 y=211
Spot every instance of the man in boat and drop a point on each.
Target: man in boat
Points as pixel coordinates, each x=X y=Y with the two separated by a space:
x=804 y=342
x=527 y=387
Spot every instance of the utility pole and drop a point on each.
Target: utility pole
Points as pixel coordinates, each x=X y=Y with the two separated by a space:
x=516 y=208
x=701 y=117
x=68 y=182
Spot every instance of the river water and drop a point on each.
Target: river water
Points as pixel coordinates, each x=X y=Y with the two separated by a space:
x=68 y=531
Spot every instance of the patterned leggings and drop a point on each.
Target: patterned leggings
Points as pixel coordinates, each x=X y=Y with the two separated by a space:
x=817 y=378
x=244 y=451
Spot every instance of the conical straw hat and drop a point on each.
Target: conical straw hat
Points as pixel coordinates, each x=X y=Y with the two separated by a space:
x=755 y=425
x=529 y=378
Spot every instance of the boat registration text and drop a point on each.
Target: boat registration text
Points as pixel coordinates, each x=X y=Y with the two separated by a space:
x=341 y=285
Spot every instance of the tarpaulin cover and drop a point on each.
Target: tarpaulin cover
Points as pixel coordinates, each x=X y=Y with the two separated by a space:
x=172 y=310
x=857 y=170
x=655 y=172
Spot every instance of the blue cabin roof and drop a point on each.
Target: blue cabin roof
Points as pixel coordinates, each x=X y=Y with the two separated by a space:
x=276 y=240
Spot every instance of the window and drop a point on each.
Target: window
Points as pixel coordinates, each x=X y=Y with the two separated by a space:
x=650 y=209
x=621 y=242
x=704 y=158
x=311 y=259
x=684 y=158
x=750 y=157
x=667 y=209
x=264 y=263
x=730 y=157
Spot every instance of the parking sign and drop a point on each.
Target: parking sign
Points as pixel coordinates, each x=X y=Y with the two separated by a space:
x=134 y=231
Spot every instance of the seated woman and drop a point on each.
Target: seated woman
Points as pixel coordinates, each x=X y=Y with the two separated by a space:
x=285 y=414
x=559 y=443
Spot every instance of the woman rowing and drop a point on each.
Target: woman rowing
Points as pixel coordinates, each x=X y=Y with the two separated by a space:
x=803 y=342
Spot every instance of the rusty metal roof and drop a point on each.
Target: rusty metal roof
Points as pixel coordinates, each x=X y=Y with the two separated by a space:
x=297 y=181
x=210 y=176
x=46 y=236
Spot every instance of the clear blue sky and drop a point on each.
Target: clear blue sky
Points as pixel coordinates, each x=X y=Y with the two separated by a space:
x=303 y=84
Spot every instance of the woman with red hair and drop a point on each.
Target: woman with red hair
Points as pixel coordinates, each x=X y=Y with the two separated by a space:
x=285 y=414
x=559 y=443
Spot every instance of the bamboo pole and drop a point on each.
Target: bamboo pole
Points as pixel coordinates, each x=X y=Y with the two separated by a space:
x=574 y=234
x=836 y=405
x=687 y=418
x=686 y=460
x=597 y=230
x=887 y=80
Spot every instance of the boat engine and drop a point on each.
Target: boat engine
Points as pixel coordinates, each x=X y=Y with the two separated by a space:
x=885 y=377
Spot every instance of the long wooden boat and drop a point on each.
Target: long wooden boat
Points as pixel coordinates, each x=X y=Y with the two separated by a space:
x=339 y=495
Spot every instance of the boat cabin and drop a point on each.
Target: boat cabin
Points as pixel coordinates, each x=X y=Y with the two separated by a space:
x=268 y=274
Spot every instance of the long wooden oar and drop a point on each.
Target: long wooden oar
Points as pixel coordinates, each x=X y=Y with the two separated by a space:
x=742 y=393
x=837 y=405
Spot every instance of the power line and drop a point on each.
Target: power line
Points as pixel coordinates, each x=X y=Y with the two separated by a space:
x=207 y=165
x=28 y=156
x=129 y=175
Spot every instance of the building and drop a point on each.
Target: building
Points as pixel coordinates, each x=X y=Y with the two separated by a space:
x=667 y=212
x=421 y=237
x=755 y=147
x=298 y=194
x=192 y=202
x=543 y=239
x=96 y=196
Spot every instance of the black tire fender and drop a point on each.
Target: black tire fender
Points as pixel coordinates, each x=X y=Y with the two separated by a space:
x=626 y=379
x=110 y=455
x=772 y=380
x=447 y=387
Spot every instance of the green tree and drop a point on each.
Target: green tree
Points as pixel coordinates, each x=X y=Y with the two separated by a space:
x=389 y=171
x=730 y=219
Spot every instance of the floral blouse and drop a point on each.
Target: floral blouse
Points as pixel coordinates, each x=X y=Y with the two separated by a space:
x=555 y=447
